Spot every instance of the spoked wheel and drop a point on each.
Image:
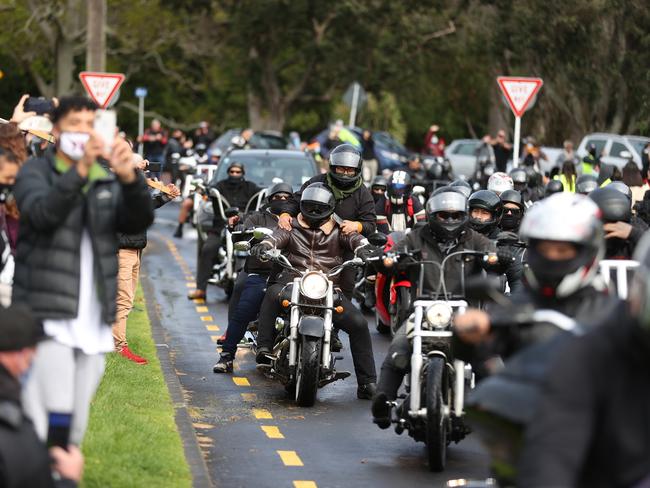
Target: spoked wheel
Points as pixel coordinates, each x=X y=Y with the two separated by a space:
x=437 y=425
x=307 y=371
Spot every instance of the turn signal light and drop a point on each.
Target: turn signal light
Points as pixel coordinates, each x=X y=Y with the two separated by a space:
x=286 y=303
x=339 y=309
x=388 y=262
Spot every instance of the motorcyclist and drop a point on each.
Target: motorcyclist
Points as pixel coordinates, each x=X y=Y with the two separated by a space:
x=246 y=299
x=521 y=183
x=553 y=187
x=378 y=188
x=237 y=191
x=417 y=170
x=591 y=427
x=500 y=182
x=485 y=211
x=462 y=186
x=315 y=241
x=586 y=184
x=514 y=209
x=400 y=210
x=446 y=232
x=622 y=233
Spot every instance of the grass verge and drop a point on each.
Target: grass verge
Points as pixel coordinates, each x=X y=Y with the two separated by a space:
x=132 y=439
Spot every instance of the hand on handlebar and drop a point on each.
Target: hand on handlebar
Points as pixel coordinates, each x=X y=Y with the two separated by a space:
x=260 y=251
x=473 y=326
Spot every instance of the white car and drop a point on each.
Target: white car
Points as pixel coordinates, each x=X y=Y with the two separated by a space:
x=461 y=153
x=613 y=148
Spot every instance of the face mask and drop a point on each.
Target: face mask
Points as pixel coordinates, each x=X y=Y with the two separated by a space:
x=73 y=144
x=6 y=194
x=235 y=178
x=277 y=206
x=510 y=221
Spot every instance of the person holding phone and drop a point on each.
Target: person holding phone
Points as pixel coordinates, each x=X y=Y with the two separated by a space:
x=72 y=209
x=24 y=459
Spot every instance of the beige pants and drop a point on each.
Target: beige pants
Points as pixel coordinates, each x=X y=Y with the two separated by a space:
x=127 y=283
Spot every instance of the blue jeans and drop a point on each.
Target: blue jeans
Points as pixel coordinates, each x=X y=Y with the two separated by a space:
x=246 y=311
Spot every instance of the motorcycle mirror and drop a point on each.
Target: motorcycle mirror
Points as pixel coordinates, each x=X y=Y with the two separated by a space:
x=243 y=246
x=262 y=232
x=214 y=193
x=377 y=239
x=232 y=212
x=418 y=190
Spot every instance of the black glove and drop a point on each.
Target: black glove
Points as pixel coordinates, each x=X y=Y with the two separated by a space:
x=364 y=252
x=259 y=251
x=505 y=256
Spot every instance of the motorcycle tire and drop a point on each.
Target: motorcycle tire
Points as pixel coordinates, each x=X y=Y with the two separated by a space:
x=402 y=308
x=308 y=371
x=382 y=328
x=436 y=424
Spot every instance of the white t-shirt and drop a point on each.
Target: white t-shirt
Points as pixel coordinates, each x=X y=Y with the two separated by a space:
x=87 y=331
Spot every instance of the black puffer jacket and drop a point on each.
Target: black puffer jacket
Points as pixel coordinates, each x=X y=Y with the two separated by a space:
x=54 y=210
x=139 y=240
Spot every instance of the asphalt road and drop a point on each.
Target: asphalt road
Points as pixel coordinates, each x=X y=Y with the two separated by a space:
x=249 y=433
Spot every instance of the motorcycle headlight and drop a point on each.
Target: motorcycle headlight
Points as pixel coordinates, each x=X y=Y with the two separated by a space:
x=439 y=315
x=314 y=285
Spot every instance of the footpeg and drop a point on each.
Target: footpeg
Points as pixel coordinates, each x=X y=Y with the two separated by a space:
x=339 y=375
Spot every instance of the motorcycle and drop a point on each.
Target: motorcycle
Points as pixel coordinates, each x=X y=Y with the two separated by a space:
x=389 y=293
x=432 y=410
x=301 y=358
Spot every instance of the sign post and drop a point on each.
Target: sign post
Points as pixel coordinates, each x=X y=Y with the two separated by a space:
x=101 y=87
x=519 y=93
x=141 y=93
x=355 y=96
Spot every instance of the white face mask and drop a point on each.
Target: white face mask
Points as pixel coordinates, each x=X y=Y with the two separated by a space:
x=73 y=144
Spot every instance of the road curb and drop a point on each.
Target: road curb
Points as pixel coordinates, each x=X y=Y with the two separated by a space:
x=198 y=468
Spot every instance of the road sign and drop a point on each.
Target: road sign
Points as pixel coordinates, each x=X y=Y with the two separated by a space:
x=101 y=87
x=141 y=92
x=519 y=92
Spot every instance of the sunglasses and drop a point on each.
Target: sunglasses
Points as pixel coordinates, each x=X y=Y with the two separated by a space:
x=450 y=215
x=513 y=211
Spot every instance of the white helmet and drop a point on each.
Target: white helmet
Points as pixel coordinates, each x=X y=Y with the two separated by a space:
x=565 y=217
x=500 y=182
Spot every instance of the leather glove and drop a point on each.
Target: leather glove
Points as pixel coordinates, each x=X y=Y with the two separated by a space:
x=259 y=251
x=363 y=252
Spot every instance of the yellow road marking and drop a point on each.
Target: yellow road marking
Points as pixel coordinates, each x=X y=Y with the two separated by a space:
x=199 y=301
x=240 y=381
x=214 y=338
x=261 y=413
x=290 y=458
x=212 y=328
x=272 y=432
x=201 y=309
x=207 y=318
x=249 y=397
x=304 y=484
x=190 y=285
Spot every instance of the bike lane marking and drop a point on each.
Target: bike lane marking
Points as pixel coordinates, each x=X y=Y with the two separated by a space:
x=290 y=458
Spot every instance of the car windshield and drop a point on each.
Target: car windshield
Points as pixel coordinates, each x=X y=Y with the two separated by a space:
x=267 y=169
x=466 y=148
x=638 y=143
x=267 y=141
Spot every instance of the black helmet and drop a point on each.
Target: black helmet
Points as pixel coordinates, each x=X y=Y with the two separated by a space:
x=447 y=213
x=281 y=187
x=622 y=187
x=519 y=179
x=346 y=156
x=614 y=205
x=379 y=182
x=511 y=218
x=487 y=200
x=462 y=186
x=317 y=204
x=399 y=185
x=553 y=186
x=586 y=184
x=639 y=298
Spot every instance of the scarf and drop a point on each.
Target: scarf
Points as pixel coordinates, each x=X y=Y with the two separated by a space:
x=341 y=194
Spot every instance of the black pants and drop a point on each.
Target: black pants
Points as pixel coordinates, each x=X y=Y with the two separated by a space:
x=351 y=321
x=396 y=365
x=206 y=260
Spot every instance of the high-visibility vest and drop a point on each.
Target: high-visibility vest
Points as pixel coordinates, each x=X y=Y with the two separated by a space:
x=568 y=186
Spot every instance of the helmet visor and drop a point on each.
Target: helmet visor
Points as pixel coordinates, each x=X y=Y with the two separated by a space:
x=316 y=195
x=345 y=159
x=450 y=201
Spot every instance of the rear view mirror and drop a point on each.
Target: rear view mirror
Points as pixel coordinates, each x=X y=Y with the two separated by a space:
x=377 y=239
x=243 y=246
x=418 y=190
x=262 y=232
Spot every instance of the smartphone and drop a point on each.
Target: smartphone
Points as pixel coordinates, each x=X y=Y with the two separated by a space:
x=106 y=127
x=40 y=105
x=58 y=431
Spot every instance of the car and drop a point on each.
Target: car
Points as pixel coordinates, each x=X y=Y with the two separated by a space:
x=259 y=140
x=461 y=153
x=266 y=167
x=615 y=149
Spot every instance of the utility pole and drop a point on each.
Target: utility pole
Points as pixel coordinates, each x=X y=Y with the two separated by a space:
x=96 y=35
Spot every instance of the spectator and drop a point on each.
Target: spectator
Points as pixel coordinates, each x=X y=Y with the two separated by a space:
x=154 y=140
x=8 y=223
x=433 y=143
x=568 y=176
x=24 y=459
x=13 y=140
x=645 y=159
x=203 y=135
x=129 y=259
x=502 y=151
x=66 y=258
x=567 y=154
x=632 y=177
x=370 y=165
x=173 y=152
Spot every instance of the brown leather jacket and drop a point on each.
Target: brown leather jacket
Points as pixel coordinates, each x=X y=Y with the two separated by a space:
x=321 y=248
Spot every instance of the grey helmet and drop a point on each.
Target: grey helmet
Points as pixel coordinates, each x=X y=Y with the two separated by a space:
x=347 y=156
x=317 y=204
x=447 y=213
x=585 y=184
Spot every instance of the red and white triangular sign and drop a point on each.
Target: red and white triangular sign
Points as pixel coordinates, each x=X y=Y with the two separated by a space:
x=101 y=87
x=519 y=91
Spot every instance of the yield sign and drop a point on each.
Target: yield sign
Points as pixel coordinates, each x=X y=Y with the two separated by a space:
x=101 y=87
x=519 y=92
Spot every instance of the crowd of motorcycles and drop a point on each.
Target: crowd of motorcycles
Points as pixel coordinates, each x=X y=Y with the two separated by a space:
x=438 y=402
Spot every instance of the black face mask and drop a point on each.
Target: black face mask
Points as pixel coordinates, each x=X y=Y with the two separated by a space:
x=276 y=207
x=616 y=248
x=235 y=178
x=511 y=221
x=6 y=193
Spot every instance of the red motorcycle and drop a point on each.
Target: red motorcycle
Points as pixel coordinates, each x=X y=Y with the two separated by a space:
x=393 y=295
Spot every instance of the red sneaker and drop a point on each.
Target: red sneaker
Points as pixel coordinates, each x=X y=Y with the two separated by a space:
x=128 y=354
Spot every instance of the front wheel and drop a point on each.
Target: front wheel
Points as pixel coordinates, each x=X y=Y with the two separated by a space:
x=307 y=371
x=436 y=431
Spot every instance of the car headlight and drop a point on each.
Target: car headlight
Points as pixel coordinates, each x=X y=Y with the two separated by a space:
x=439 y=315
x=314 y=285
